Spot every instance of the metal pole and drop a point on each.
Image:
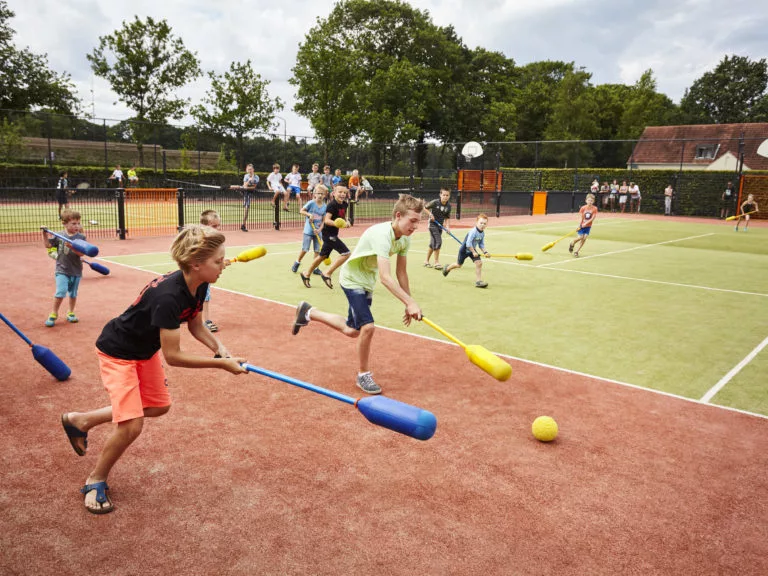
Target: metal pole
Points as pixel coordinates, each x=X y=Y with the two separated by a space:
x=50 y=159
x=106 y=154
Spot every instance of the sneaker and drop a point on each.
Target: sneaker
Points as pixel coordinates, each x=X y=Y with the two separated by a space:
x=481 y=284
x=736 y=229
x=301 y=317
x=51 y=320
x=211 y=325
x=317 y=272
x=327 y=280
x=445 y=271
x=295 y=267
x=427 y=265
x=575 y=254
x=570 y=247
x=243 y=228
x=366 y=383
x=53 y=253
x=305 y=279
x=72 y=318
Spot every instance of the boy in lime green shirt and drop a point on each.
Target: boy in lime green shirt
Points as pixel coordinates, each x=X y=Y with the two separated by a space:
x=369 y=261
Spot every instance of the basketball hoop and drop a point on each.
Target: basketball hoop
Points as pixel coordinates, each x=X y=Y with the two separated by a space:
x=471 y=150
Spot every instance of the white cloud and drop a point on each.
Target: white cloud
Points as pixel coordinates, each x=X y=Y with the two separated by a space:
x=616 y=41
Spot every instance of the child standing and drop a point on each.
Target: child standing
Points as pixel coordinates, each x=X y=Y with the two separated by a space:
x=129 y=354
x=668 y=193
x=314 y=212
x=749 y=205
x=439 y=211
x=370 y=260
x=473 y=243
x=337 y=208
x=250 y=181
x=294 y=185
x=210 y=218
x=275 y=185
x=62 y=191
x=69 y=267
x=587 y=215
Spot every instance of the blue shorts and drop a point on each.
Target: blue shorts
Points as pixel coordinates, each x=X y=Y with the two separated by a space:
x=310 y=240
x=584 y=231
x=295 y=190
x=464 y=253
x=359 y=307
x=246 y=199
x=208 y=294
x=66 y=284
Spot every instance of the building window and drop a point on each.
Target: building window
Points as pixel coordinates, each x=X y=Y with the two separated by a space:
x=705 y=151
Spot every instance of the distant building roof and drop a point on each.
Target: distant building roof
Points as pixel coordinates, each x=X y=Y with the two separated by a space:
x=705 y=144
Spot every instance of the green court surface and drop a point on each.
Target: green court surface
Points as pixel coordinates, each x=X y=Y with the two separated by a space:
x=659 y=304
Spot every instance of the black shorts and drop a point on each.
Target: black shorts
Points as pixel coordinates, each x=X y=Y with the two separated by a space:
x=464 y=254
x=435 y=237
x=61 y=197
x=331 y=243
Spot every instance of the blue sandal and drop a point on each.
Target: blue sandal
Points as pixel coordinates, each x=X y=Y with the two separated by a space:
x=73 y=433
x=101 y=497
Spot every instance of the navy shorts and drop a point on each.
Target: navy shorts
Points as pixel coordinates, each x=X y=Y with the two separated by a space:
x=246 y=199
x=435 y=237
x=359 y=307
x=464 y=253
x=331 y=243
x=584 y=231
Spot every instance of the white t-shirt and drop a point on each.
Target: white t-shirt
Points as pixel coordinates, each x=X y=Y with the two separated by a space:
x=275 y=181
x=635 y=190
x=293 y=179
x=117 y=174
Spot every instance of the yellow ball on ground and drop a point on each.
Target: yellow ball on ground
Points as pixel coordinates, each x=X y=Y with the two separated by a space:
x=544 y=428
x=340 y=222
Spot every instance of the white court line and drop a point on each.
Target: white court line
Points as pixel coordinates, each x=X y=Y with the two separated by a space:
x=605 y=221
x=736 y=369
x=625 y=250
x=523 y=360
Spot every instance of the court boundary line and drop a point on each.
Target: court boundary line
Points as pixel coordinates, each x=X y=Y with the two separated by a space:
x=625 y=250
x=733 y=372
x=522 y=360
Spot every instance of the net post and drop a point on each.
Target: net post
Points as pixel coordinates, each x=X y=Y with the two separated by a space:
x=180 y=207
x=120 y=195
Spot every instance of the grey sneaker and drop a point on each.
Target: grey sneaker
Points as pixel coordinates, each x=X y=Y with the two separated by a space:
x=366 y=384
x=301 y=317
x=445 y=271
x=295 y=267
x=481 y=284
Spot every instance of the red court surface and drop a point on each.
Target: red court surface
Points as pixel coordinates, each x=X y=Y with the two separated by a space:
x=248 y=475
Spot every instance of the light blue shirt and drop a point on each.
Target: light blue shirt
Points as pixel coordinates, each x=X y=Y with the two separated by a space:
x=474 y=239
x=318 y=212
x=249 y=180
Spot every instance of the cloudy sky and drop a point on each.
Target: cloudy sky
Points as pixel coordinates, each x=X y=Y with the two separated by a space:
x=615 y=40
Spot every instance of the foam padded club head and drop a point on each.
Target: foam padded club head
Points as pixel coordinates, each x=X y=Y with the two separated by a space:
x=489 y=362
x=524 y=256
x=51 y=362
x=398 y=416
x=251 y=254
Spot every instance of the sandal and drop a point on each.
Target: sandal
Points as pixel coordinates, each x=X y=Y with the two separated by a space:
x=427 y=265
x=305 y=279
x=211 y=325
x=72 y=433
x=101 y=497
x=438 y=266
x=327 y=280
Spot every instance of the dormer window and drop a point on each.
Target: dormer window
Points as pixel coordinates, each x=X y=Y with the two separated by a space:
x=705 y=152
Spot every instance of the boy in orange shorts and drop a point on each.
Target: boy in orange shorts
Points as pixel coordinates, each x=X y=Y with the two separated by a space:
x=129 y=354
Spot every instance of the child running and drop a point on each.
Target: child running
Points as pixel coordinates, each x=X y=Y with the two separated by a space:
x=587 y=215
x=314 y=212
x=337 y=208
x=439 y=211
x=69 y=267
x=129 y=354
x=473 y=243
x=370 y=260
x=749 y=205
x=210 y=218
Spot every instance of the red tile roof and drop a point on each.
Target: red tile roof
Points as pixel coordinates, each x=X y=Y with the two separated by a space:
x=663 y=144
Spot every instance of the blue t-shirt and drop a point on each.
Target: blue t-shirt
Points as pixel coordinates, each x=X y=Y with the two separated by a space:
x=474 y=239
x=318 y=212
x=336 y=180
x=250 y=180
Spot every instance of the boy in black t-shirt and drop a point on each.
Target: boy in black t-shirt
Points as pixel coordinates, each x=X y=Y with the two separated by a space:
x=129 y=354
x=439 y=212
x=337 y=208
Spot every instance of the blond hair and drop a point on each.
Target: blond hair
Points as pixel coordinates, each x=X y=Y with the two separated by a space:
x=590 y=196
x=208 y=216
x=322 y=188
x=407 y=202
x=67 y=215
x=195 y=243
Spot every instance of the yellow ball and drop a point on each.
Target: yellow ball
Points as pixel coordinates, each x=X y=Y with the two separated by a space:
x=544 y=428
x=340 y=222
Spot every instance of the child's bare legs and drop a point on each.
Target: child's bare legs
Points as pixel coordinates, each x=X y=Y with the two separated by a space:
x=335 y=264
x=245 y=216
x=287 y=197
x=580 y=241
x=364 y=346
x=335 y=321
x=56 y=305
x=429 y=255
x=638 y=206
x=437 y=256
x=72 y=302
x=206 y=311
x=478 y=271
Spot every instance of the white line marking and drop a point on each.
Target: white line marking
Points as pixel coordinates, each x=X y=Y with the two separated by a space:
x=604 y=221
x=736 y=369
x=625 y=250
x=523 y=360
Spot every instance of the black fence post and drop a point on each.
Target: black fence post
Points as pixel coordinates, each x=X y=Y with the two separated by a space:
x=120 y=195
x=180 y=203
x=165 y=175
x=458 y=204
x=106 y=153
x=198 y=155
x=276 y=222
x=498 y=203
x=352 y=213
x=411 y=160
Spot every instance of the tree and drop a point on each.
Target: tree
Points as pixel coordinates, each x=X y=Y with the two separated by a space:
x=26 y=82
x=643 y=106
x=731 y=93
x=145 y=66
x=237 y=105
x=535 y=98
